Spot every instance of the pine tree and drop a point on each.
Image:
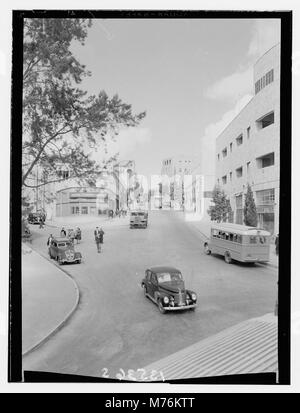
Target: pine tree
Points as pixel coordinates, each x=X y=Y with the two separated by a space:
x=221 y=211
x=250 y=214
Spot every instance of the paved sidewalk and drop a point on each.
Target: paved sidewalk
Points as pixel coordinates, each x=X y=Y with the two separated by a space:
x=74 y=221
x=248 y=347
x=86 y=222
x=203 y=228
x=48 y=297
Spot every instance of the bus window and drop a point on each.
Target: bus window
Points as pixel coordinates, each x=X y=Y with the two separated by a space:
x=239 y=239
x=226 y=236
x=215 y=233
x=262 y=240
x=252 y=239
x=230 y=237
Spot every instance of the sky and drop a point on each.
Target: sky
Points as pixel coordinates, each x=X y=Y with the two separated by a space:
x=191 y=76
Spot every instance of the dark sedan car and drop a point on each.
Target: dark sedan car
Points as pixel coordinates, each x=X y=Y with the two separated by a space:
x=165 y=287
x=62 y=250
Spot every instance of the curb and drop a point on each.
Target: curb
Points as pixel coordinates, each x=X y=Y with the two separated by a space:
x=65 y=319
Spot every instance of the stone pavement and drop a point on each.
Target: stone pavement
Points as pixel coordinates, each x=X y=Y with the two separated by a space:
x=248 y=347
x=49 y=297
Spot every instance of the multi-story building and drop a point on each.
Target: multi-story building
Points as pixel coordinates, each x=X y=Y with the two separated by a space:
x=247 y=151
x=112 y=192
x=173 y=171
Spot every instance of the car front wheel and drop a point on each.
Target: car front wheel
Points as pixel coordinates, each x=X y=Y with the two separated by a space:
x=161 y=307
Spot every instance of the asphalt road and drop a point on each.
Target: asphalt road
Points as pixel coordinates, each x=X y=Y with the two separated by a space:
x=116 y=327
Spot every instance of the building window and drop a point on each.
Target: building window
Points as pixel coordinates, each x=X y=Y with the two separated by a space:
x=264 y=81
x=265 y=197
x=224 y=152
x=248 y=132
x=231 y=147
x=265 y=121
x=230 y=176
x=248 y=167
x=239 y=172
x=239 y=140
x=239 y=209
x=224 y=179
x=84 y=210
x=218 y=156
x=265 y=209
x=270 y=77
x=265 y=161
x=75 y=210
x=63 y=174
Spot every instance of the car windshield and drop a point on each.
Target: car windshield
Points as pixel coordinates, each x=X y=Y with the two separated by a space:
x=168 y=277
x=63 y=244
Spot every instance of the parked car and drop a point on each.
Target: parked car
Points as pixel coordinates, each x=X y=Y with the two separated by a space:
x=165 y=287
x=34 y=217
x=138 y=219
x=63 y=251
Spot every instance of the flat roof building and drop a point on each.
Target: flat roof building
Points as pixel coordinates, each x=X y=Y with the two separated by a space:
x=247 y=151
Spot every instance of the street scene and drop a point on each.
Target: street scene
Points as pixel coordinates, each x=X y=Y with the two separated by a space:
x=150 y=229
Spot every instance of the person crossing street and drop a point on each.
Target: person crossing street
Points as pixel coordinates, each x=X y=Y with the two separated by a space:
x=99 y=238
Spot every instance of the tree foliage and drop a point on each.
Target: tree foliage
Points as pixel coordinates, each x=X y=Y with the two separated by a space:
x=61 y=123
x=250 y=214
x=221 y=211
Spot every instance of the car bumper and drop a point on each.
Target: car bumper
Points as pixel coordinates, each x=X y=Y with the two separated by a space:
x=249 y=259
x=182 y=307
x=64 y=261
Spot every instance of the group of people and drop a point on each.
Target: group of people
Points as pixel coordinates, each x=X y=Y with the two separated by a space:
x=118 y=213
x=72 y=235
x=98 y=233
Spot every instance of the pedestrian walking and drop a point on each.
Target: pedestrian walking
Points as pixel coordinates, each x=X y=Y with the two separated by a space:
x=277 y=244
x=63 y=232
x=99 y=238
x=71 y=235
x=50 y=238
x=41 y=222
x=78 y=235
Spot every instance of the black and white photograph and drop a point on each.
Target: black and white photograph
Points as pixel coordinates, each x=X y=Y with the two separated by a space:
x=150 y=196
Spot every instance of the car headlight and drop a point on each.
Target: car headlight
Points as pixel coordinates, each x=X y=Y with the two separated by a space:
x=194 y=296
x=166 y=299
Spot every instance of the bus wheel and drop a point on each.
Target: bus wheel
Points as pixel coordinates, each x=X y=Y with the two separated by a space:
x=206 y=249
x=227 y=257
